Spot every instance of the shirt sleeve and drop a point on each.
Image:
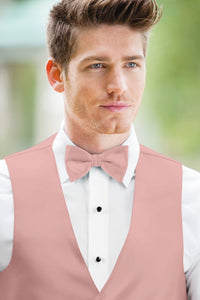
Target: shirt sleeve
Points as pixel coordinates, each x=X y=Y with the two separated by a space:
x=6 y=216
x=191 y=231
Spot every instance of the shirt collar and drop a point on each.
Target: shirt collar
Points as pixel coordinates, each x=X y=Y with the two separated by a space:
x=62 y=140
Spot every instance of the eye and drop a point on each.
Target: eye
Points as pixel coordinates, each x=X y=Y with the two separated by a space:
x=96 y=66
x=131 y=65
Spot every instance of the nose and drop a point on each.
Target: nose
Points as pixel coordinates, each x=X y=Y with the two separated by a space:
x=116 y=82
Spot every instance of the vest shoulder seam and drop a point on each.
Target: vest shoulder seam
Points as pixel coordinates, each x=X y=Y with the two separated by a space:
x=36 y=147
x=150 y=152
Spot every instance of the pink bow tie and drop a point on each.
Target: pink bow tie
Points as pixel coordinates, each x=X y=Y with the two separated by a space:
x=114 y=161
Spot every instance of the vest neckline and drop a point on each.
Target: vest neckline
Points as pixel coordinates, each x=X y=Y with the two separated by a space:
x=74 y=240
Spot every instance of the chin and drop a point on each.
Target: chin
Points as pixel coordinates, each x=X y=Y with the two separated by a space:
x=116 y=129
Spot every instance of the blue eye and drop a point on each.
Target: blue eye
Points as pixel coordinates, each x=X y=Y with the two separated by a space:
x=96 y=66
x=131 y=65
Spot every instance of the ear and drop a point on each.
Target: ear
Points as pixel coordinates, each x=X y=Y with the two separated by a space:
x=54 y=74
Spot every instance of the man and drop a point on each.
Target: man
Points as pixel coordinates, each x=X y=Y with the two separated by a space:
x=96 y=215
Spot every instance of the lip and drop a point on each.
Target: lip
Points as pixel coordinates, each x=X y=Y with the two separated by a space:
x=116 y=108
x=116 y=104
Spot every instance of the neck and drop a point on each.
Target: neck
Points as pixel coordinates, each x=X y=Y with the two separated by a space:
x=91 y=141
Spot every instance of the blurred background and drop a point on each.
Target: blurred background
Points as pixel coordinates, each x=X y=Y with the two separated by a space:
x=169 y=117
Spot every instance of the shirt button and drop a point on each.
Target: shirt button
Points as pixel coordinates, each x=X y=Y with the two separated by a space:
x=99 y=208
x=98 y=259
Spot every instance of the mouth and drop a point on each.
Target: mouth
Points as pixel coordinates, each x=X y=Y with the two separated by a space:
x=116 y=107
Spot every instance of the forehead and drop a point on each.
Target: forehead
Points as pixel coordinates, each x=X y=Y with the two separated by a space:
x=108 y=40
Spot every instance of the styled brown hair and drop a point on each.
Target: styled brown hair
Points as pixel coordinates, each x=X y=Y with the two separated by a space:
x=67 y=17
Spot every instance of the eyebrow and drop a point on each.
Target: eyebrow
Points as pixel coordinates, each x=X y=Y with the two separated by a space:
x=105 y=58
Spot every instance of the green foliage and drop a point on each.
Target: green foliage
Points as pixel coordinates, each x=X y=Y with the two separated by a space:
x=23 y=83
x=173 y=74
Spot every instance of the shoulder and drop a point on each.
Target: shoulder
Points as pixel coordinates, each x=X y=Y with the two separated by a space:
x=144 y=150
x=191 y=188
x=191 y=174
x=191 y=215
x=5 y=185
x=47 y=143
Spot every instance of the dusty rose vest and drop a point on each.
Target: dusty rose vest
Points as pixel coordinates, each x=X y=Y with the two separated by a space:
x=47 y=264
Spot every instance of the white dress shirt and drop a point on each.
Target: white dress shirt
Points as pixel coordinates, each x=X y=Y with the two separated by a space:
x=103 y=235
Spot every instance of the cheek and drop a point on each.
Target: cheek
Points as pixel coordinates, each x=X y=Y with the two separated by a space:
x=88 y=94
x=141 y=86
x=138 y=86
x=82 y=99
x=136 y=92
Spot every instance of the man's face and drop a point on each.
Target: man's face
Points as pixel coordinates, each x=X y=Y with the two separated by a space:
x=107 y=69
